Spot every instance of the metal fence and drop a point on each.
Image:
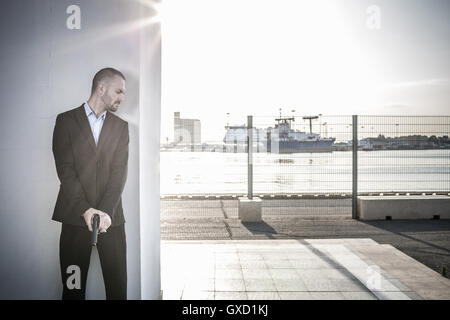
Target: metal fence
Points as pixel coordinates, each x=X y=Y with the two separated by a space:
x=295 y=167
x=309 y=166
x=404 y=154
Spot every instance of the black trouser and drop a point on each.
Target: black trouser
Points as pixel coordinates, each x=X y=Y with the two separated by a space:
x=75 y=250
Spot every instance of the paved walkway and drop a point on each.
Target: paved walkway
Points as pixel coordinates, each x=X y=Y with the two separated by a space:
x=427 y=241
x=303 y=249
x=295 y=269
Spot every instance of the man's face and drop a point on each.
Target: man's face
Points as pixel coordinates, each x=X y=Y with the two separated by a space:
x=114 y=93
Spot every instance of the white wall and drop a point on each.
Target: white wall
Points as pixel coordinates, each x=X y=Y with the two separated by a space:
x=47 y=69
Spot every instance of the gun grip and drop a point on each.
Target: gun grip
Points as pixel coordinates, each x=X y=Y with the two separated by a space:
x=95 y=225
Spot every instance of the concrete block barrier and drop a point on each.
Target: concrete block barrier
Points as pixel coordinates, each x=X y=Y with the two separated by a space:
x=403 y=207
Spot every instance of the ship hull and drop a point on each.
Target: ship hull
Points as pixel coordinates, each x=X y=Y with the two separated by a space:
x=274 y=146
x=294 y=146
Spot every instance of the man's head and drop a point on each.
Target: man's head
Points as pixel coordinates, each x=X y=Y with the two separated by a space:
x=109 y=86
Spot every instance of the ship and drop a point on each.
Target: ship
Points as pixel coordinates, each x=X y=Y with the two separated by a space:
x=279 y=139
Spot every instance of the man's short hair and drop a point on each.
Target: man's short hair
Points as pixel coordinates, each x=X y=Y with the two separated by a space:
x=103 y=74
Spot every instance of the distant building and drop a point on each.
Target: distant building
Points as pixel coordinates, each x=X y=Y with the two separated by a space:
x=186 y=131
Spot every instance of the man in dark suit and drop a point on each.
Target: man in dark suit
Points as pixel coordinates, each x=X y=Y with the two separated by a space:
x=90 y=147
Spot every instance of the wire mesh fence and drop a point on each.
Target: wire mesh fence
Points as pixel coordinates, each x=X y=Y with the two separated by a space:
x=404 y=154
x=303 y=156
x=303 y=165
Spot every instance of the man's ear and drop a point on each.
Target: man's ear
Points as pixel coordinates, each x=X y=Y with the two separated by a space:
x=102 y=88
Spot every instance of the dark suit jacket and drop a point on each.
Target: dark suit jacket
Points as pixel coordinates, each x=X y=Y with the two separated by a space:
x=91 y=176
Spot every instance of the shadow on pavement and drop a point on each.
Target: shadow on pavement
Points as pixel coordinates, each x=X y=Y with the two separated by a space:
x=401 y=227
x=259 y=228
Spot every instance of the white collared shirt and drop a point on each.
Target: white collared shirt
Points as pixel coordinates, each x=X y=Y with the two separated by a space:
x=95 y=123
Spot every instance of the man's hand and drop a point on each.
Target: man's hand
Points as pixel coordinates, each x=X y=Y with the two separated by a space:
x=87 y=215
x=105 y=219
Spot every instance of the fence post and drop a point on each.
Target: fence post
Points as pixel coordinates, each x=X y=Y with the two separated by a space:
x=250 y=155
x=355 y=168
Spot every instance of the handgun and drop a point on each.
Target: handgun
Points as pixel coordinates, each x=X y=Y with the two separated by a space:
x=95 y=224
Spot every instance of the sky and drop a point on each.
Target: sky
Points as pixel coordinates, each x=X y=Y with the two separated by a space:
x=253 y=57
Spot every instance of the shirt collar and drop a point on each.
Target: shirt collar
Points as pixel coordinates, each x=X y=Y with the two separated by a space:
x=88 y=110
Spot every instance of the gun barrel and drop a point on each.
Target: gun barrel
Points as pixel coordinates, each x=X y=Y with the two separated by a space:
x=95 y=224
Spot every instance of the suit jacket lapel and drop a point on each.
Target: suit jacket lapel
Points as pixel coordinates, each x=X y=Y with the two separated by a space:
x=85 y=126
x=106 y=130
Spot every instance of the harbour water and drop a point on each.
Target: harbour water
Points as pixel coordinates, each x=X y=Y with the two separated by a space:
x=193 y=173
